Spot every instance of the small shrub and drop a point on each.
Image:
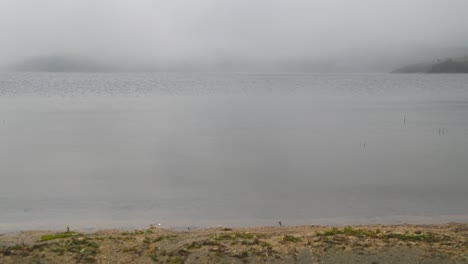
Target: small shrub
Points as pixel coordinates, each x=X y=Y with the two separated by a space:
x=232 y=236
x=177 y=260
x=210 y=243
x=349 y=231
x=265 y=244
x=413 y=237
x=154 y=258
x=331 y=232
x=194 y=245
x=292 y=239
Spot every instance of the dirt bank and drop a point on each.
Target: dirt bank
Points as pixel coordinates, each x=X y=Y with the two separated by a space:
x=376 y=244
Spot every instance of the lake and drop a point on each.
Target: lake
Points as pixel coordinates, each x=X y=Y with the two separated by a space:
x=100 y=150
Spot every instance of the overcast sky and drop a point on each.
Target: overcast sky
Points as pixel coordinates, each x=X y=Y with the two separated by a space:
x=213 y=29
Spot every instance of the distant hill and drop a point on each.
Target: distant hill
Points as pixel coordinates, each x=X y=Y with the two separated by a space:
x=357 y=63
x=459 y=65
x=58 y=63
x=66 y=63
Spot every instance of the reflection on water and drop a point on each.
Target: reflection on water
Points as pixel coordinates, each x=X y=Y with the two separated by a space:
x=94 y=150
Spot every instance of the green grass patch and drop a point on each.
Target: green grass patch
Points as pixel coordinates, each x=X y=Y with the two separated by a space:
x=82 y=246
x=233 y=236
x=331 y=232
x=366 y=233
x=349 y=231
x=59 y=235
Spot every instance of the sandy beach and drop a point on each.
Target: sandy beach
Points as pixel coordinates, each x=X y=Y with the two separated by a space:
x=447 y=243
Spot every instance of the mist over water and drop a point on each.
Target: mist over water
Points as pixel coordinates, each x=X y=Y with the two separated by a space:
x=231 y=35
x=133 y=149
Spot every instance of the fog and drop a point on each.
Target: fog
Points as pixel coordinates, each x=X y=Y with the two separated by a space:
x=364 y=35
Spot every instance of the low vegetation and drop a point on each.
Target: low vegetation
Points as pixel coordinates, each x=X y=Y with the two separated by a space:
x=194 y=245
x=59 y=235
x=292 y=239
x=254 y=245
x=367 y=233
x=427 y=237
x=233 y=236
x=154 y=258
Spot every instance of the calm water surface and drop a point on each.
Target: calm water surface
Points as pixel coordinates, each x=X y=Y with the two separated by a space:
x=131 y=149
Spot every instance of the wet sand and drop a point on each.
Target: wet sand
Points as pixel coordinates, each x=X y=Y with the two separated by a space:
x=376 y=244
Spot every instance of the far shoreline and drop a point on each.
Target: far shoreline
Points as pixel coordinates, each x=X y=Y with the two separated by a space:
x=96 y=224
